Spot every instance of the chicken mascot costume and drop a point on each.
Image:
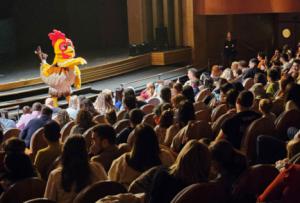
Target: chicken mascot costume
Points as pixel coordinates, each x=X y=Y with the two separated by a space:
x=64 y=71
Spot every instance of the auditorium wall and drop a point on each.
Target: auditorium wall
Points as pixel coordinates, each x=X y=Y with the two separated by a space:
x=91 y=24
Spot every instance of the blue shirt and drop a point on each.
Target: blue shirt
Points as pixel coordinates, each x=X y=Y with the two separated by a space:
x=7 y=124
x=31 y=127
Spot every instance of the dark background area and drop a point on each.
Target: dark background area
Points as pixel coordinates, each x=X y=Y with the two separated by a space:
x=91 y=25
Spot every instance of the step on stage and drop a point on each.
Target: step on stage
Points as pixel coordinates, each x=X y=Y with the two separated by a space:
x=99 y=68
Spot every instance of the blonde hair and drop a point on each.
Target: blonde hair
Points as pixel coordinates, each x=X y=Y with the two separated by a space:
x=104 y=103
x=293 y=148
x=193 y=163
x=265 y=106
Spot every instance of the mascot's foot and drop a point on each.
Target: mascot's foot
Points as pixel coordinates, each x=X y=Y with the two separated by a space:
x=55 y=101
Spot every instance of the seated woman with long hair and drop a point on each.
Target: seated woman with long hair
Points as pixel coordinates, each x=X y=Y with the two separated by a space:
x=84 y=121
x=104 y=103
x=75 y=172
x=191 y=166
x=144 y=155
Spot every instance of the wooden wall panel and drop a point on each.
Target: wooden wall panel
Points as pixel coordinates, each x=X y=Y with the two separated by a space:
x=220 y=7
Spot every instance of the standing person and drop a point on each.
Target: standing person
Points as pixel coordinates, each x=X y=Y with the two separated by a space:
x=230 y=51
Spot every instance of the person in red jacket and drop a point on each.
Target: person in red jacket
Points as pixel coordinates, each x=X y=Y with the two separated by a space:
x=284 y=188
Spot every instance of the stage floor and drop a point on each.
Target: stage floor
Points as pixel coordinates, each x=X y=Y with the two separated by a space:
x=27 y=67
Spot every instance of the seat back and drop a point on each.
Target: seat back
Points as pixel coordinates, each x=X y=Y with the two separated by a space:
x=100 y=119
x=99 y=190
x=37 y=142
x=248 y=83
x=122 y=124
x=287 y=119
x=203 y=115
x=154 y=101
x=199 y=106
x=218 y=111
x=261 y=126
x=88 y=137
x=216 y=126
x=149 y=120
x=13 y=132
x=253 y=182
x=65 y=131
x=120 y=115
x=201 y=192
x=147 y=108
x=202 y=94
x=24 y=190
x=40 y=200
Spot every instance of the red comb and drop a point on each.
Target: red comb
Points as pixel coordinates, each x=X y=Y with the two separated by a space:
x=56 y=35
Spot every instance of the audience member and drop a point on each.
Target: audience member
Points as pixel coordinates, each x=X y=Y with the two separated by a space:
x=104 y=148
x=24 y=118
x=74 y=106
x=191 y=166
x=45 y=157
x=75 y=172
x=84 y=121
x=144 y=155
x=62 y=118
x=104 y=103
x=35 y=124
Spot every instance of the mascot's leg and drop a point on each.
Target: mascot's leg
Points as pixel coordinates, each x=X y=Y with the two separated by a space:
x=68 y=99
x=55 y=101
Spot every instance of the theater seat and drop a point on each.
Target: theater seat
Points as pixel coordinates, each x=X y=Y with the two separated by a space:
x=218 y=111
x=253 y=182
x=24 y=190
x=203 y=115
x=40 y=200
x=99 y=190
x=202 y=94
x=248 y=83
x=147 y=108
x=99 y=119
x=37 y=142
x=120 y=115
x=149 y=120
x=201 y=192
x=65 y=131
x=287 y=119
x=261 y=126
x=13 y=132
x=121 y=125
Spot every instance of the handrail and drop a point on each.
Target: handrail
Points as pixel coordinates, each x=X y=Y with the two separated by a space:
x=154 y=76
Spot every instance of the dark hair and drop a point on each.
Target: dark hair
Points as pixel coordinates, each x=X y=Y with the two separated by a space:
x=75 y=164
x=84 y=119
x=19 y=166
x=226 y=87
x=238 y=86
x=129 y=101
x=293 y=94
x=37 y=106
x=104 y=131
x=297 y=61
x=47 y=111
x=136 y=116
x=243 y=63
x=178 y=87
x=87 y=104
x=262 y=54
x=186 y=112
x=285 y=57
x=166 y=119
x=273 y=74
x=165 y=94
x=254 y=60
x=129 y=92
x=188 y=92
x=245 y=99
x=145 y=151
x=260 y=78
x=52 y=131
x=14 y=145
x=231 y=98
x=229 y=161
x=118 y=94
x=111 y=116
